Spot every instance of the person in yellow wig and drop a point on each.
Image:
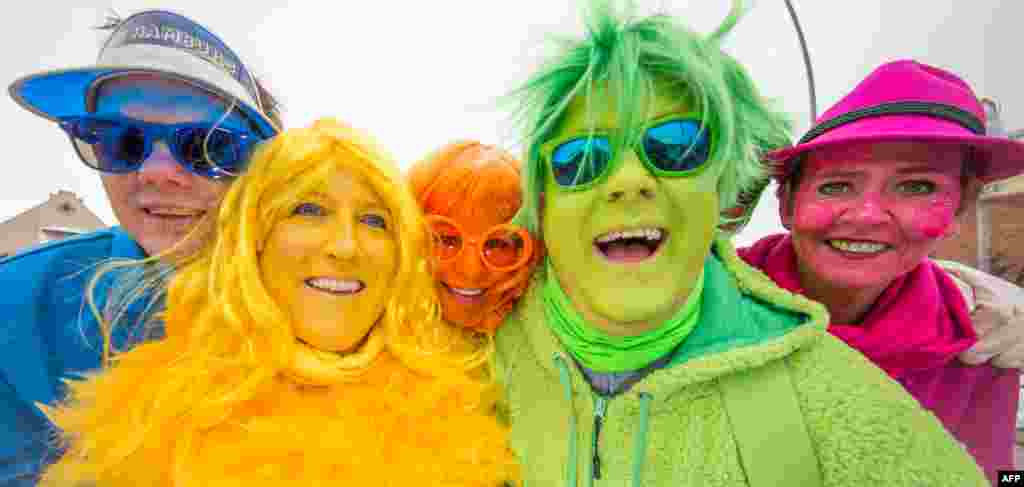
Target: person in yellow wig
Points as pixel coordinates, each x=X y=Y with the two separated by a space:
x=303 y=346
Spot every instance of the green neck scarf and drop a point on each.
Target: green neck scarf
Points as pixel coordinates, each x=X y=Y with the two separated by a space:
x=604 y=353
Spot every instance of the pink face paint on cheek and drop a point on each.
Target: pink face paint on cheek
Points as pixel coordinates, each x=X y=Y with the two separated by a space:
x=811 y=214
x=815 y=216
x=933 y=221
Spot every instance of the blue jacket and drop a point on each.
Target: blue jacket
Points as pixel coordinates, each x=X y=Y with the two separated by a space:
x=47 y=334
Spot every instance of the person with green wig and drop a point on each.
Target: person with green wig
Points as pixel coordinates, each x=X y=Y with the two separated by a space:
x=645 y=352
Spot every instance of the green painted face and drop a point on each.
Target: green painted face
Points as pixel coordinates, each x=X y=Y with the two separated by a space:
x=628 y=250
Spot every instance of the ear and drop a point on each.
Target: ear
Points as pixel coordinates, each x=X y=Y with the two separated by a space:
x=969 y=193
x=540 y=217
x=785 y=212
x=953 y=230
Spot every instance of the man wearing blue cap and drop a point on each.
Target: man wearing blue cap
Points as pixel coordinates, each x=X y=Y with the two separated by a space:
x=167 y=115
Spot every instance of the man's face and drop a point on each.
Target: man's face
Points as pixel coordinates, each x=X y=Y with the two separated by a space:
x=161 y=202
x=628 y=251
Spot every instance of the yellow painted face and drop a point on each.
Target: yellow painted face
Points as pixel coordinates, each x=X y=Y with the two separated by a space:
x=331 y=261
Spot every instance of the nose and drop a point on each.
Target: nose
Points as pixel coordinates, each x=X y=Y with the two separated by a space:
x=867 y=210
x=340 y=241
x=471 y=265
x=161 y=169
x=631 y=181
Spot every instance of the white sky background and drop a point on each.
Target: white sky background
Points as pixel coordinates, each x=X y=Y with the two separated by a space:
x=420 y=74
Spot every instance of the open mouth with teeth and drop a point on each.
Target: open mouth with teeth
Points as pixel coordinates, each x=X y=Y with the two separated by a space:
x=631 y=246
x=860 y=248
x=173 y=213
x=335 y=286
x=464 y=295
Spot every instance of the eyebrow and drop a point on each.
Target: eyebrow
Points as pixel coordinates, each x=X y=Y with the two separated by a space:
x=678 y=113
x=600 y=128
x=142 y=110
x=839 y=173
x=359 y=200
x=920 y=169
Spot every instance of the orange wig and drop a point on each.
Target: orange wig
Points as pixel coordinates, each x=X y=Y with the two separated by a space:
x=480 y=182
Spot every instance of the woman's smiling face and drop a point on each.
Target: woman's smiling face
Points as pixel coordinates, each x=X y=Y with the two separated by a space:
x=863 y=215
x=330 y=262
x=464 y=282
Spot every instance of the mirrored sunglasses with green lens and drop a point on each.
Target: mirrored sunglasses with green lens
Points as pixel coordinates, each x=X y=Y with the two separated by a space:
x=674 y=146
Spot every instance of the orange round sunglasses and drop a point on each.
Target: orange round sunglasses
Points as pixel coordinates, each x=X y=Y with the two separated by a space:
x=502 y=248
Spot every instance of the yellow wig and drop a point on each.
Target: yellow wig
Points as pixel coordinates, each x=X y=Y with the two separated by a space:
x=230 y=397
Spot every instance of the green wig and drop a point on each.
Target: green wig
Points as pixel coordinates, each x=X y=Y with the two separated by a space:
x=627 y=59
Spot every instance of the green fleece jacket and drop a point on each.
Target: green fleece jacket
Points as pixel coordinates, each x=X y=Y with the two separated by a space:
x=671 y=429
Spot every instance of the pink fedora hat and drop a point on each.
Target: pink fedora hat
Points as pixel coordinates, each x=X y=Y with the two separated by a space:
x=907 y=100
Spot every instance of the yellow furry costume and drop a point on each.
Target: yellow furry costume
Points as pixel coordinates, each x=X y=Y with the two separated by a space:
x=230 y=397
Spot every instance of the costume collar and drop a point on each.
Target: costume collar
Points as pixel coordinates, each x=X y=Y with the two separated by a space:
x=605 y=353
x=925 y=297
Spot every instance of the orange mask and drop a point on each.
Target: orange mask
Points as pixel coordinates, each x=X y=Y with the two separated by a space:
x=481 y=263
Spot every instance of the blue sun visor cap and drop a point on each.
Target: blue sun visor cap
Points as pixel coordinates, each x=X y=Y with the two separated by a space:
x=157 y=42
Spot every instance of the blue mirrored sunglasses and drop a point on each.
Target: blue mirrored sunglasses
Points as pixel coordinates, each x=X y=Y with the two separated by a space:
x=675 y=147
x=121 y=145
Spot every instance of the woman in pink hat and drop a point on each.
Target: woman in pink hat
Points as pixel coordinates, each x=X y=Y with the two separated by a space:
x=867 y=194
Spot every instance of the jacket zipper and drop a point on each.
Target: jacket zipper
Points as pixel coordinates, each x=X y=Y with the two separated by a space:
x=599 y=411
